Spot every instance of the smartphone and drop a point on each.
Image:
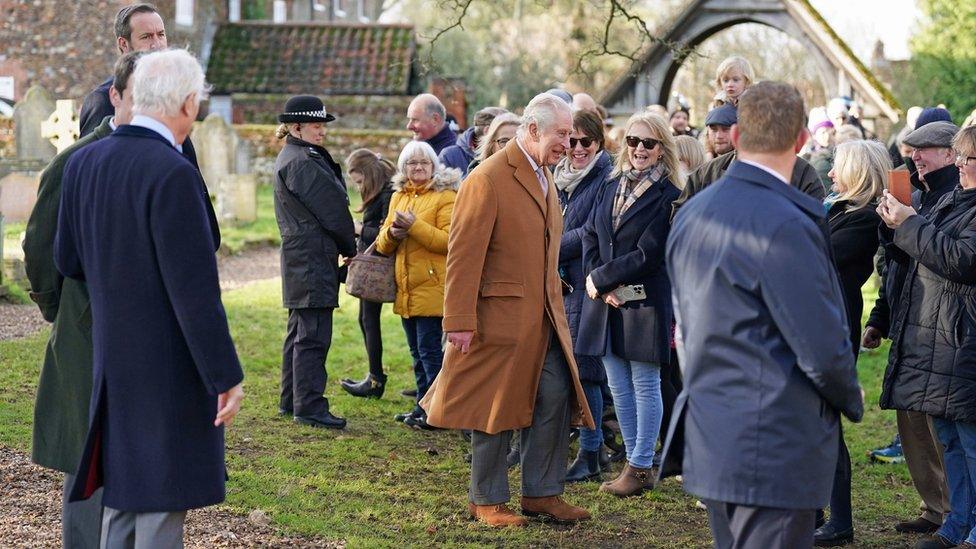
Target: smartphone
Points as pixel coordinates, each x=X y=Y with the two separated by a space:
x=633 y=292
x=900 y=186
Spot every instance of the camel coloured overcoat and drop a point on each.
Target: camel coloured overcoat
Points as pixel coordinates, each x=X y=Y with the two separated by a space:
x=502 y=283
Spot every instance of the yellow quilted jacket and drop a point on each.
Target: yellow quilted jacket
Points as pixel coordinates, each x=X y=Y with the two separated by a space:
x=422 y=256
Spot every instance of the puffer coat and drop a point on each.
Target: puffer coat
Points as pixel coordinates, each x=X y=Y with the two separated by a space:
x=932 y=362
x=576 y=210
x=421 y=258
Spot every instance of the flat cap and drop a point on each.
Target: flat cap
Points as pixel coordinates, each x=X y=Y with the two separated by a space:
x=934 y=134
x=726 y=115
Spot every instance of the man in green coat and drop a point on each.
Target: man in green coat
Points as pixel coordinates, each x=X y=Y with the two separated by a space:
x=804 y=175
x=63 y=394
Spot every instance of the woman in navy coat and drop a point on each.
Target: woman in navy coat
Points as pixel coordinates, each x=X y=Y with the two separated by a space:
x=133 y=224
x=627 y=321
x=580 y=178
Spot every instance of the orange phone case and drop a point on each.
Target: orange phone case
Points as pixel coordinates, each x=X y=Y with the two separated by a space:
x=900 y=186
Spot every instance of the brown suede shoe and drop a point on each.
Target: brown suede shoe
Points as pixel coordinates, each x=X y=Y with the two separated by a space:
x=553 y=508
x=631 y=482
x=496 y=516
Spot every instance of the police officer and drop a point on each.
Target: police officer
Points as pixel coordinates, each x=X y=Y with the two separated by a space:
x=312 y=209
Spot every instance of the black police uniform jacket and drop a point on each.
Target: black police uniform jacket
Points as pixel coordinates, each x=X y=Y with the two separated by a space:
x=312 y=209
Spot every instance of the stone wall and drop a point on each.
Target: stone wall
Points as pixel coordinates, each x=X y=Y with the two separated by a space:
x=69 y=47
x=383 y=112
x=339 y=141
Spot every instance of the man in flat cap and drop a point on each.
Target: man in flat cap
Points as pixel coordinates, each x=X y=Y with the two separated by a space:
x=719 y=122
x=934 y=177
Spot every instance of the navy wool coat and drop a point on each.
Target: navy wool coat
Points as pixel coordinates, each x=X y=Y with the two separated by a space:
x=767 y=360
x=133 y=224
x=631 y=254
x=576 y=211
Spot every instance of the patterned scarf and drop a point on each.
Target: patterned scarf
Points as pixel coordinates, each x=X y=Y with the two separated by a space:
x=633 y=185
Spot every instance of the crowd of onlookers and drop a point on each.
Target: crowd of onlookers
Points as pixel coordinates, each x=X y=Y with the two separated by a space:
x=708 y=289
x=624 y=339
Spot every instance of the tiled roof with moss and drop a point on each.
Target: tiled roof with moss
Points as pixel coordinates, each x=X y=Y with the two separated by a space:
x=321 y=59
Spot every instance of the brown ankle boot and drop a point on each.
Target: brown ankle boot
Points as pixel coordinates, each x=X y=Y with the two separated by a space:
x=553 y=508
x=631 y=482
x=498 y=515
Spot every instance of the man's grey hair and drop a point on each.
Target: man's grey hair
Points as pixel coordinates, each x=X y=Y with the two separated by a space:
x=163 y=80
x=414 y=148
x=542 y=111
x=123 y=28
x=432 y=105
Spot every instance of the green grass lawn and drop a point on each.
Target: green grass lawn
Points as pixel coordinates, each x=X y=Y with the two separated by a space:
x=380 y=484
x=264 y=230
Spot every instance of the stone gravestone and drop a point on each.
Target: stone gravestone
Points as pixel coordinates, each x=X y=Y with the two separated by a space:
x=18 y=193
x=62 y=126
x=216 y=143
x=29 y=113
x=225 y=164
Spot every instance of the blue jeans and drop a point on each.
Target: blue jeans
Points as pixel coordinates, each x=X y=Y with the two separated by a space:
x=424 y=339
x=636 y=390
x=592 y=439
x=959 y=440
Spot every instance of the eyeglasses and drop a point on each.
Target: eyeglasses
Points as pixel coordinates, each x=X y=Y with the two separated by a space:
x=963 y=158
x=633 y=141
x=414 y=163
x=503 y=141
x=585 y=141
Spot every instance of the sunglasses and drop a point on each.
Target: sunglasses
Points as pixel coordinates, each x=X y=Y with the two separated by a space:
x=585 y=141
x=633 y=141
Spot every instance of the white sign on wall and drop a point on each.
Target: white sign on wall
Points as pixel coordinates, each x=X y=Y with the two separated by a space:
x=7 y=87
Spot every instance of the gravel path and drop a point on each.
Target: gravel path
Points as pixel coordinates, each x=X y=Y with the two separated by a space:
x=30 y=514
x=17 y=321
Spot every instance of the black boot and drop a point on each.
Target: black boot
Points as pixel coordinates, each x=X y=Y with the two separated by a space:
x=585 y=467
x=371 y=387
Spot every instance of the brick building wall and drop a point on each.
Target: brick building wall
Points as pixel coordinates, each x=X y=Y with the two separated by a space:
x=68 y=47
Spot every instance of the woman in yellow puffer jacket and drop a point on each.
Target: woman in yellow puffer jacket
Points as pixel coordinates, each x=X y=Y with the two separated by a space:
x=416 y=230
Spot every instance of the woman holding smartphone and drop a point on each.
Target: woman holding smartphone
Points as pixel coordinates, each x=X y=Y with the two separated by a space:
x=627 y=319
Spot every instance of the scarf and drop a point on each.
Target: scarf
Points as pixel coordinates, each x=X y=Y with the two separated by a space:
x=567 y=178
x=633 y=185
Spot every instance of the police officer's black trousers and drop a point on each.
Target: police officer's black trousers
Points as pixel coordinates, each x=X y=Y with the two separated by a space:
x=303 y=374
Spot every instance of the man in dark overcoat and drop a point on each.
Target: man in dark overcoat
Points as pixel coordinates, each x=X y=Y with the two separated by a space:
x=138 y=27
x=766 y=351
x=312 y=209
x=133 y=225
x=64 y=390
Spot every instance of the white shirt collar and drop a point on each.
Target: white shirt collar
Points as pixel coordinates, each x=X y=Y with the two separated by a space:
x=151 y=123
x=111 y=123
x=535 y=167
x=765 y=169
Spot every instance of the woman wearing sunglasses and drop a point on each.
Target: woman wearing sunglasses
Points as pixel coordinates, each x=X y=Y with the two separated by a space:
x=580 y=178
x=627 y=320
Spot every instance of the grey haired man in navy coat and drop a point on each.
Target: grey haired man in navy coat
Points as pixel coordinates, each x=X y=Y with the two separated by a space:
x=766 y=351
x=133 y=225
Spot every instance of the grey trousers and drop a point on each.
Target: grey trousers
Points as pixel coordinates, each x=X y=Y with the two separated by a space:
x=81 y=521
x=923 y=456
x=125 y=530
x=744 y=527
x=544 y=444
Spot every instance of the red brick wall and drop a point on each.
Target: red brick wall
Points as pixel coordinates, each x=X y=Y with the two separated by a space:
x=68 y=47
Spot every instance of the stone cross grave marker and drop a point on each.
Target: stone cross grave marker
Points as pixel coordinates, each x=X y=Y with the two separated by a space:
x=62 y=126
